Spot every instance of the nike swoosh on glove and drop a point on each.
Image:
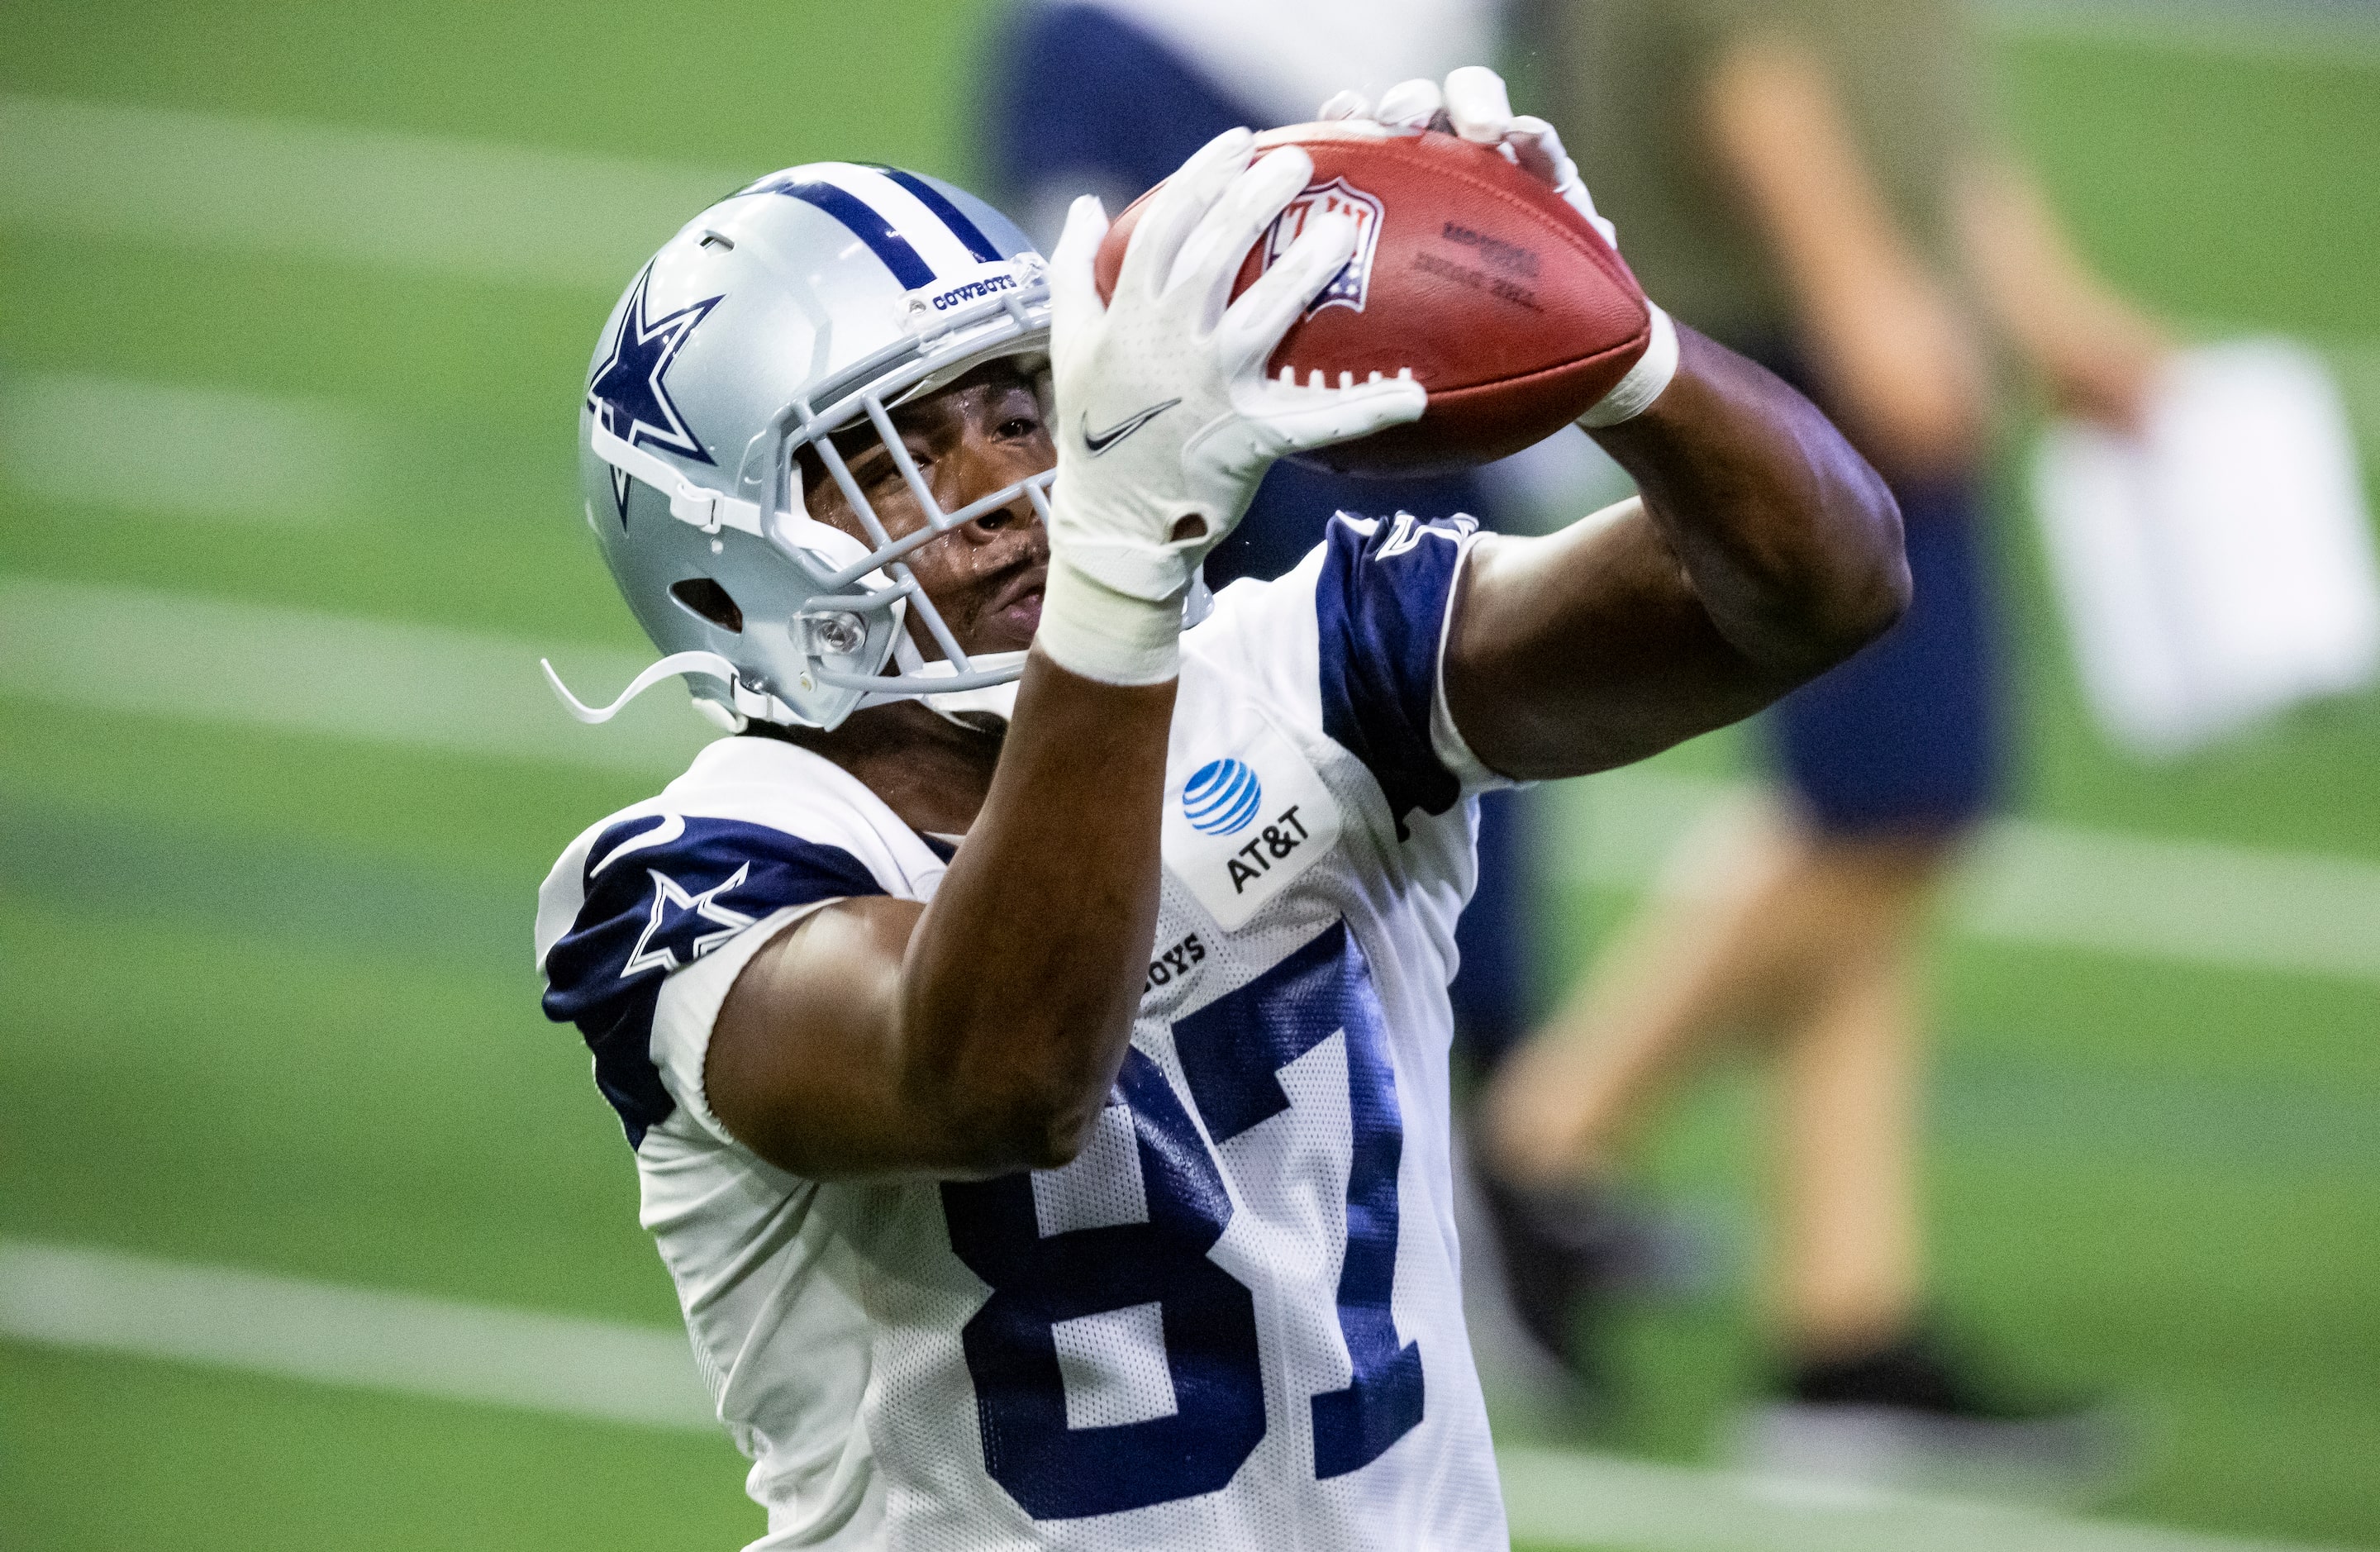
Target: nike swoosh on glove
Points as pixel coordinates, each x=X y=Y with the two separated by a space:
x=1166 y=420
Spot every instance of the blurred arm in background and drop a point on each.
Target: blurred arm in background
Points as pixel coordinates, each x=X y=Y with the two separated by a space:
x=1906 y=370
x=1906 y=363
x=2096 y=353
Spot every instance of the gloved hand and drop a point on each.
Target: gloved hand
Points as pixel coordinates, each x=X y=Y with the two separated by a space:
x=1166 y=420
x=1476 y=106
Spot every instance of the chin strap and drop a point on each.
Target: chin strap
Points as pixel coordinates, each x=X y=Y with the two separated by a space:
x=754 y=706
x=998 y=699
x=1201 y=602
x=750 y=703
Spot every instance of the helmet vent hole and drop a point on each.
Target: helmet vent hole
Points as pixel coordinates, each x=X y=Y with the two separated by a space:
x=714 y=239
x=706 y=600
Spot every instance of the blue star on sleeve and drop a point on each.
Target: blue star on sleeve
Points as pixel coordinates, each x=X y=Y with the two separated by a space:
x=659 y=895
x=678 y=920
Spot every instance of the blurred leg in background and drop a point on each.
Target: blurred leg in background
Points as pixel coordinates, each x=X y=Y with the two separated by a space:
x=1797 y=923
x=1823 y=185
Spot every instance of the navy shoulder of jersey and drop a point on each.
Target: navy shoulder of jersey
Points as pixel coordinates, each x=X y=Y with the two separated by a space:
x=661 y=892
x=1380 y=609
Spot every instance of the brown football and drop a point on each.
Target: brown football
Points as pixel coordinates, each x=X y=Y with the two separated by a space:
x=1505 y=304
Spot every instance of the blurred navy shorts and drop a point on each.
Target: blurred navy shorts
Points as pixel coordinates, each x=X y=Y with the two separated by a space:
x=1906 y=736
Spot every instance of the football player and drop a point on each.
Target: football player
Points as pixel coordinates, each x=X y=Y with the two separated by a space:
x=1031 y=1027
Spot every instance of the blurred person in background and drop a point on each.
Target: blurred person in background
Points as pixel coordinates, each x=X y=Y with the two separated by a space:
x=1108 y=99
x=1818 y=183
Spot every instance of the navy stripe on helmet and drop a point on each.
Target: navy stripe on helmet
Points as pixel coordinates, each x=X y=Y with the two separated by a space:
x=952 y=216
x=866 y=222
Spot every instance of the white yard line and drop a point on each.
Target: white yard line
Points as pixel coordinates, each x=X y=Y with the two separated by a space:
x=1561 y=1496
x=106 y=1300
x=2059 y=886
x=213 y=661
x=2331 y=32
x=364 y=196
x=208 y=660
x=181 y=451
x=492 y=211
x=58 y=1296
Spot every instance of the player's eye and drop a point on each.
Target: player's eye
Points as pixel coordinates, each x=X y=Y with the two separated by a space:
x=876 y=467
x=1017 y=427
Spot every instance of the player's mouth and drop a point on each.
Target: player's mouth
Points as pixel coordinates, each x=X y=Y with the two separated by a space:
x=1015 y=610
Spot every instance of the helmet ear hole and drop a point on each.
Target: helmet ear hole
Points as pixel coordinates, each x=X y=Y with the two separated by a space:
x=706 y=600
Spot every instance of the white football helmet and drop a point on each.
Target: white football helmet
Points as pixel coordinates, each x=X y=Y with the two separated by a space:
x=798 y=306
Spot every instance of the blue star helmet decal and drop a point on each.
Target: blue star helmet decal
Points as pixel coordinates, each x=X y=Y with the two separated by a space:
x=627 y=391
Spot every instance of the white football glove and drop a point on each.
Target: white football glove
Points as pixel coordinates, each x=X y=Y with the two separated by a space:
x=1478 y=108
x=1166 y=420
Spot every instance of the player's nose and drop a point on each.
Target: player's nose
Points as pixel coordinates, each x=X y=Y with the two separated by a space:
x=1016 y=516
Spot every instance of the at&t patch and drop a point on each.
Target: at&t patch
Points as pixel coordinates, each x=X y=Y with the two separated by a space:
x=1241 y=825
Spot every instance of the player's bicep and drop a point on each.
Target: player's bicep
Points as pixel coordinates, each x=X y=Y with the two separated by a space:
x=804 y=1063
x=1586 y=649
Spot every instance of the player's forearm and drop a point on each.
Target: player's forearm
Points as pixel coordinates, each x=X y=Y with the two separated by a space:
x=1762 y=551
x=1789 y=541
x=1022 y=979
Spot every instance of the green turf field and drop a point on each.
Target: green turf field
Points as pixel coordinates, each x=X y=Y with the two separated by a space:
x=269 y=1002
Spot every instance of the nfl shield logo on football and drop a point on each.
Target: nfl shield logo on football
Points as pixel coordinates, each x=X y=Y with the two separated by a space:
x=1348 y=288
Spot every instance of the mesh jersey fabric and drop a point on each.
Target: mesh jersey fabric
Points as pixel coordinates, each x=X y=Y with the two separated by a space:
x=1235 y=1316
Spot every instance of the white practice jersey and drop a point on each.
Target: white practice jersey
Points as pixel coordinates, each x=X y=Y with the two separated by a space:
x=1233 y=1320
